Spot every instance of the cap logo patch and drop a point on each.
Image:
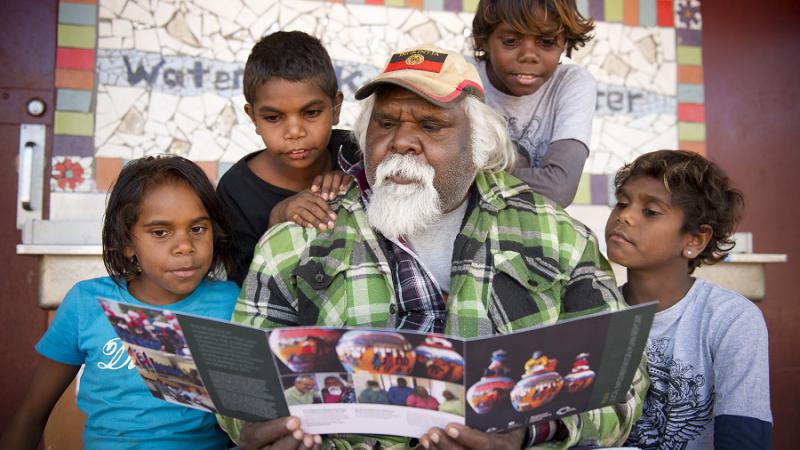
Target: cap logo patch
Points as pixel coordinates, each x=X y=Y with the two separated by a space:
x=427 y=60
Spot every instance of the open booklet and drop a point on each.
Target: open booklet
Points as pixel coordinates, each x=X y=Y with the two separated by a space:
x=356 y=380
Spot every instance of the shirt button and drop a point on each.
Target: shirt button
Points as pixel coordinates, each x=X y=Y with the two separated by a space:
x=319 y=277
x=392 y=309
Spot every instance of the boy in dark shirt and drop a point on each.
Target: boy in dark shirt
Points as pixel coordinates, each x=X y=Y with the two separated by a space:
x=293 y=100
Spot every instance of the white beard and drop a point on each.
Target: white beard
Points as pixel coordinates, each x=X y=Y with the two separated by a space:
x=403 y=209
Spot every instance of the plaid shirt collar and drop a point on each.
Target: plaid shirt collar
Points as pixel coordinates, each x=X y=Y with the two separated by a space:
x=421 y=302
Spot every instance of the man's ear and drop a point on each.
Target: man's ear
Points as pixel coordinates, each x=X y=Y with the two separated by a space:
x=337 y=107
x=248 y=109
x=698 y=241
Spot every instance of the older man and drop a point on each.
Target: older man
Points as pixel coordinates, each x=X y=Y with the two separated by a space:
x=433 y=236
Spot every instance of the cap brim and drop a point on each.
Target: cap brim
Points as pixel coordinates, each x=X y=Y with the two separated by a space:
x=442 y=102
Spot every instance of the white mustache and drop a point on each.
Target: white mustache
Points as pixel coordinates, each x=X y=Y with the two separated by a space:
x=406 y=167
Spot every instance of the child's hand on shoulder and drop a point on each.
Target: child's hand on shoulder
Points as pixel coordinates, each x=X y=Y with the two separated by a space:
x=331 y=184
x=306 y=209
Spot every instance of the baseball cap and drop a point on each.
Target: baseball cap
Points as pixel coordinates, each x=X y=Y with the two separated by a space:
x=439 y=76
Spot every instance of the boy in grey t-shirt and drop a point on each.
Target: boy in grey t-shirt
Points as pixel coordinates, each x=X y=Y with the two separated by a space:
x=548 y=105
x=707 y=352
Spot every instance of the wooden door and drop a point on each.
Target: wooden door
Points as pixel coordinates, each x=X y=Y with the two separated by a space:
x=27 y=58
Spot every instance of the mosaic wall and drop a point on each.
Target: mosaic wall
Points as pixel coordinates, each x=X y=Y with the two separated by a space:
x=142 y=77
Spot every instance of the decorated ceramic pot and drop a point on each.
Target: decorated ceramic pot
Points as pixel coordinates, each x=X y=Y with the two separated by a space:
x=536 y=390
x=438 y=360
x=304 y=349
x=540 y=384
x=381 y=352
x=581 y=376
x=488 y=393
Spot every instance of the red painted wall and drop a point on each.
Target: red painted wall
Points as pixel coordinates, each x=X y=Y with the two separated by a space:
x=751 y=58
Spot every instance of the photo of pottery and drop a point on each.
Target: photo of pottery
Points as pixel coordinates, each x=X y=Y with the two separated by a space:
x=439 y=360
x=376 y=352
x=581 y=376
x=305 y=349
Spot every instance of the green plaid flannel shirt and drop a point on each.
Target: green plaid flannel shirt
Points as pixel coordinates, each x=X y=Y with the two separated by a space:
x=519 y=261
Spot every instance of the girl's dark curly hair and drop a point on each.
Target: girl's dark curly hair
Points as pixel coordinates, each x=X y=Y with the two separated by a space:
x=539 y=17
x=700 y=189
x=135 y=181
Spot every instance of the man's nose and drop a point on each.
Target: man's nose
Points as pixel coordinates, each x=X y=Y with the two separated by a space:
x=406 y=139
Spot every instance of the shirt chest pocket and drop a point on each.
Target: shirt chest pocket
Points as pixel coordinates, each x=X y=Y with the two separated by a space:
x=330 y=294
x=524 y=292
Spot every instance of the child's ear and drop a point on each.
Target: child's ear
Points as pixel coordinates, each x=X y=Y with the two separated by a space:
x=248 y=109
x=337 y=107
x=698 y=241
x=127 y=251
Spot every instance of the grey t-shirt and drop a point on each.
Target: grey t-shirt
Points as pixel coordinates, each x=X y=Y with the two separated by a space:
x=707 y=357
x=561 y=109
x=434 y=245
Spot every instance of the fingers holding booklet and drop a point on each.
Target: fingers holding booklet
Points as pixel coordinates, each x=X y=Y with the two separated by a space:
x=355 y=380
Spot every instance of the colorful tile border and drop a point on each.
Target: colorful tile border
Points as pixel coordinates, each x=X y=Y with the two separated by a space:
x=73 y=140
x=75 y=82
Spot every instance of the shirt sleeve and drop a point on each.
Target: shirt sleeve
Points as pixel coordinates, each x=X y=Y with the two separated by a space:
x=560 y=171
x=61 y=340
x=741 y=379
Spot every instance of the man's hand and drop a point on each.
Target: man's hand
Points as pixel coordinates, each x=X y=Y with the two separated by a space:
x=329 y=184
x=458 y=437
x=305 y=209
x=279 y=434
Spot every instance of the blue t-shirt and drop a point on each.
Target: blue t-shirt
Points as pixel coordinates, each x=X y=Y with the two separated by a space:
x=121 y=412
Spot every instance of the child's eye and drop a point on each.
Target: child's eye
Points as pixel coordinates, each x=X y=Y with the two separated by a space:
x=509 y=41
x=159 y=233
x=620 y=205
x=311 y=113
x=547 y=42
x=271 y=118
x=198 y=229
x=650 y=212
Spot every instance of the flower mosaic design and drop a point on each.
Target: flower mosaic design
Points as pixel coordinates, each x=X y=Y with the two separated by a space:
x=68 y=173
x=689 y=14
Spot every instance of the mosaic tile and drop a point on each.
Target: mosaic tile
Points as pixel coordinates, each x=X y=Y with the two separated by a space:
x=691 y=131
x=630 y=13
x=691 y=93
x=75 y=58
x=73 y=100
x=687 y=14
x=73 y=123
x=688 y=112
x=613 y=10
x=77 y=14
x=71 y=174
x=210 y=169
x=64 y=145
x=695 y=146
x=77 y=36
x=692 y=56
x=583 y=196
x=106 y=172
x=599 y=189
x=647 y=13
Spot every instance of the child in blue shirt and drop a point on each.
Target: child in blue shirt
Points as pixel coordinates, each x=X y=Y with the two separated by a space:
x=707 y=350
x=165 y=239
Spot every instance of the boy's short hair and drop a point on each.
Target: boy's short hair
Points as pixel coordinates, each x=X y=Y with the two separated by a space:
x=700 y=189
x=292 y=56
x=539 y=17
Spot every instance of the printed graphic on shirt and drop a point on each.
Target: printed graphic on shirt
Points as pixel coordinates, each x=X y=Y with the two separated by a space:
x=526 y=136
x=675 y=410
x=118 y=357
